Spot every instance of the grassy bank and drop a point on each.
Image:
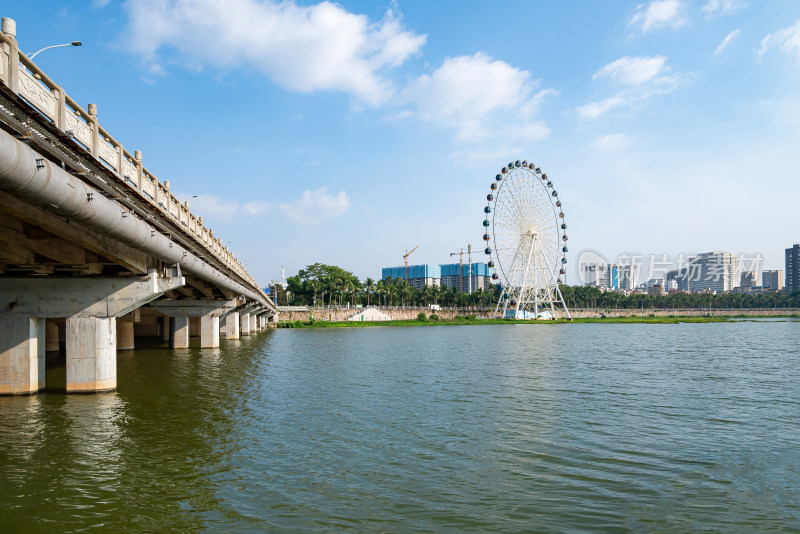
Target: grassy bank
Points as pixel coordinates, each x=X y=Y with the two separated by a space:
x=473 y=321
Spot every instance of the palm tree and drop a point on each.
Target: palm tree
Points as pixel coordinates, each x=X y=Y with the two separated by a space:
x=369 y=284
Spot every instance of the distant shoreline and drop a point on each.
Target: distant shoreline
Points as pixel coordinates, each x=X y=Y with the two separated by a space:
x=600 y=320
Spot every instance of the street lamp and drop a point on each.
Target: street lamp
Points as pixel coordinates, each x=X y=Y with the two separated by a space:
x=73 y=43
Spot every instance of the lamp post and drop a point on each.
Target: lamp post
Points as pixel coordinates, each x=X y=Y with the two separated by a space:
x=73 y=43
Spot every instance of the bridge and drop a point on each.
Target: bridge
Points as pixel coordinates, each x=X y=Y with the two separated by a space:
x=95 y=251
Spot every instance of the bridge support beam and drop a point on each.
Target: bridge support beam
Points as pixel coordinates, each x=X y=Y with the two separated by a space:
x=247 y=318
x=232 y=325
x=90 y=307
x=244 y=319
x=179 y=332
x=22 y=343
x=208 y=311
x=125 y=332
x=91 y=354
x=209 y=331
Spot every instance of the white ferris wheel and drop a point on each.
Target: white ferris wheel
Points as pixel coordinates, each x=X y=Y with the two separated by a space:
x=525 y=235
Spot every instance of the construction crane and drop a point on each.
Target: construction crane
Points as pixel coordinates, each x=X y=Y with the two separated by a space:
x=405 y=257
x=460 y=268
x=460 y=254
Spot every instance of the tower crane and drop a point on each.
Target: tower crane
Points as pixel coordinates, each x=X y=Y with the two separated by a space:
x=460 y=254
x=405 y=257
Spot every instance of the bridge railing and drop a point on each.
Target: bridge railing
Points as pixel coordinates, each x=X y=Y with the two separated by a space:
x=29 y=82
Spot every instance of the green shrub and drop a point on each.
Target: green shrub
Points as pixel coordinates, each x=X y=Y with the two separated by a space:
x=422 y=317
x=434 y=317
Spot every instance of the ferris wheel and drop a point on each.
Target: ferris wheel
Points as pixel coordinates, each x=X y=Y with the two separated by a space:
x=525 y=235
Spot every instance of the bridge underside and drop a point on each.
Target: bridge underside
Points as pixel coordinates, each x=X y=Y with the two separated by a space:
x=89 y=263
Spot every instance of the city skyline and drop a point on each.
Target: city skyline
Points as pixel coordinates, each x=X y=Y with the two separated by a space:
x=667 y=124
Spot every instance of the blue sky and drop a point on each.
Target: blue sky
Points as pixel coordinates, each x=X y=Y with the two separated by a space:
x=346 y=133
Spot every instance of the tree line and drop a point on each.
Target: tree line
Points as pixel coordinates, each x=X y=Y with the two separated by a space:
x=328 y=285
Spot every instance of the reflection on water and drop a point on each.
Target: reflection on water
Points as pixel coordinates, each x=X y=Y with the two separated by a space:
x=487 y=428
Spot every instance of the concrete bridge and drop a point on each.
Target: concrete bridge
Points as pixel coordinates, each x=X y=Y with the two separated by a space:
x=94 y=250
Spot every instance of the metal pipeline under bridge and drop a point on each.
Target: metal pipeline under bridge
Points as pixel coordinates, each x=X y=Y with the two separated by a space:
x=32 y=177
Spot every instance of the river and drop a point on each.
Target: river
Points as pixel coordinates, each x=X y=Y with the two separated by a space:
x=495 y=428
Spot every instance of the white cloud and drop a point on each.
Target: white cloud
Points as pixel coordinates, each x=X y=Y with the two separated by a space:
x=478 y=96
x=633 y=70
x=642 y=77
x=301 y=48
x=100 y=3
x=722 y=7
x=787 y=40
x=658 y=14
x=611 y=141
x=156 y=69
x=213 y=207
x=315 y=206
x=592 y=110
x=726 y=41
x=310 y=209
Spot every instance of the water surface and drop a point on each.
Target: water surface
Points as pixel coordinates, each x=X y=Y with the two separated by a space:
x=581 y=427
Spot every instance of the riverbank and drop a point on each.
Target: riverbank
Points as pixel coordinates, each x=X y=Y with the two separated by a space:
x=477 y=321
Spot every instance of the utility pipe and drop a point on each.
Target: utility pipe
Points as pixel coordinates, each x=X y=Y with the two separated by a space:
x=31 y=176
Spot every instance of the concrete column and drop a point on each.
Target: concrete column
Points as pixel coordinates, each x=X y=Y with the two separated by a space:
x=125 y=332
x=209 y=331
x=244 y=319
x=22 y=342
x=165 y=329
x=232 y=325
x=91 y=354
x=51 y=335
x=179 y=333
x=253 y=326
x=222 y=327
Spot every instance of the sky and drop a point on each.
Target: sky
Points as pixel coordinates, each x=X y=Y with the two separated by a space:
x=346 y=133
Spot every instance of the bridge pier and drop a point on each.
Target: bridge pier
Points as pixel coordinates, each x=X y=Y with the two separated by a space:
x=125 y=332
x=90 y=307
x=232 y=325
x=209 y=331
x=244 y=319
x=182 y=311
x=179 y=332
x=22 y=343
x=91 y=354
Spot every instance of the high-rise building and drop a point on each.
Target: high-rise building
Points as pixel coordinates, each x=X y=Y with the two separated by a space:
x=793 y=269
x=628 y=276
x=418 y=275
x=712 y=271
x=680 y=278
x=748 y=279
x=602 y=275
x=772 y=280
x=481 y=276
